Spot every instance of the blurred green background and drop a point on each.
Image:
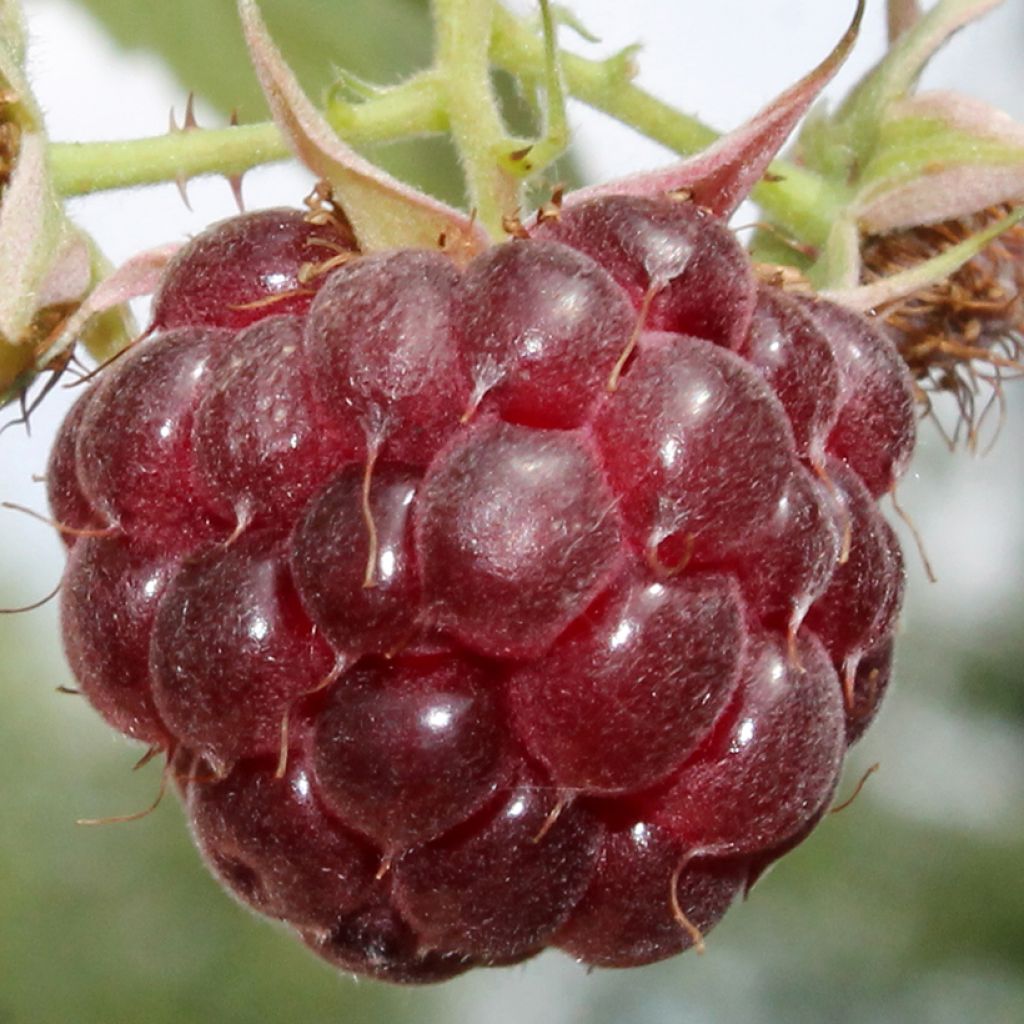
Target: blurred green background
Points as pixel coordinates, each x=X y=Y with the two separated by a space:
x=907 y=907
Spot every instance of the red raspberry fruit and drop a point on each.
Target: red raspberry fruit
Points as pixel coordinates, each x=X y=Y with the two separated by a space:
x=243 y=269
x=482 y=610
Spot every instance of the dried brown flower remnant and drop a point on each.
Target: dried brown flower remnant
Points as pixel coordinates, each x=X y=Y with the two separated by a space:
x=10 y=131
x=965 y=334
x=10 y=135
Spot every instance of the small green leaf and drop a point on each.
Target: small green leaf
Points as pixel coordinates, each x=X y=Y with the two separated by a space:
x=839 y=264
x=854 y=129
x=566 y=16
x=47 y=265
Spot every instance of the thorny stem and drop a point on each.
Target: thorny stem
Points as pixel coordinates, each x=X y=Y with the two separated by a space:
x=455 y=95
x=78 y=168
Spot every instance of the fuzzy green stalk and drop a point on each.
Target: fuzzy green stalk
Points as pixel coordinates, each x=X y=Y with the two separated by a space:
x=456 y=95
x=462 y=64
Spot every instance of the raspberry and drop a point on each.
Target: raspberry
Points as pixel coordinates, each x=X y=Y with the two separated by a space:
x=238 y=271
x=268 y=839
x=408 y=748
x=64 y=491
x=330 y=551
x=516 y=535
x=231 y=649
x=499 y=886
x=109 y=597
x=534 y=603
x=799 y=363
x=663 y=653
x=624 y=919
x=380 y=347
x=773 y=762
x=134 y=453
x=248 y=465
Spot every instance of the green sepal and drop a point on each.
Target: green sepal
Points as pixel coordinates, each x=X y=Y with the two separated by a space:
x=940 y=156
x=841 y=147
x=872 y=296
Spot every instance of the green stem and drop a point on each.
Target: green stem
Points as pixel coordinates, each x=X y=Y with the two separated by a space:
x=457 y=96
x=415 y=107
x=78 y=168
x=801 y=202
x=462 y=64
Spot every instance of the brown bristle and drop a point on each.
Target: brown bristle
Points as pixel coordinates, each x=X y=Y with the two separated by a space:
x=324 y=209
x=963 y=335
x=10 y=144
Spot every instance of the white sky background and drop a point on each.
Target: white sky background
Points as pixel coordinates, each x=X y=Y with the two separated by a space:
x=720 y=60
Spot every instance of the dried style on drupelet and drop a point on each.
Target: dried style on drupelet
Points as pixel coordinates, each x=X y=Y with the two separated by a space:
x=483 y=609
